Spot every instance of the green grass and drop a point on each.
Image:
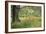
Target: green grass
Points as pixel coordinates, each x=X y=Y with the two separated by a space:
x=27 y=22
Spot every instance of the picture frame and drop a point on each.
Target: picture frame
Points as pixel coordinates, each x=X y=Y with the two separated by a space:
x=19 y=29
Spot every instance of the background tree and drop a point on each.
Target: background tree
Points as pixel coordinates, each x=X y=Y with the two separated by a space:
x=15 y=11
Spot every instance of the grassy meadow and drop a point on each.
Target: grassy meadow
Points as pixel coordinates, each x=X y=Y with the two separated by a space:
x=29 y=16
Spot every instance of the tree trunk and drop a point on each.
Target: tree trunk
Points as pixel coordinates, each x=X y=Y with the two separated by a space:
x=15 y=12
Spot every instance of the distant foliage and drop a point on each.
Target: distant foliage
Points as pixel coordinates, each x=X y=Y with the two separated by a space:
x=30 y=10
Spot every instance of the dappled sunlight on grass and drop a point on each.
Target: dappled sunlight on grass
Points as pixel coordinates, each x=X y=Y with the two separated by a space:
x=25 y=22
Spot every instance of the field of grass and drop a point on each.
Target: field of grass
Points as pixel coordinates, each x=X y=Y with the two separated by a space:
x=27 y=22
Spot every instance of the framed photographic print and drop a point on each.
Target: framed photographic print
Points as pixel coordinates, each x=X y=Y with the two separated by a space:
x=24 y=16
